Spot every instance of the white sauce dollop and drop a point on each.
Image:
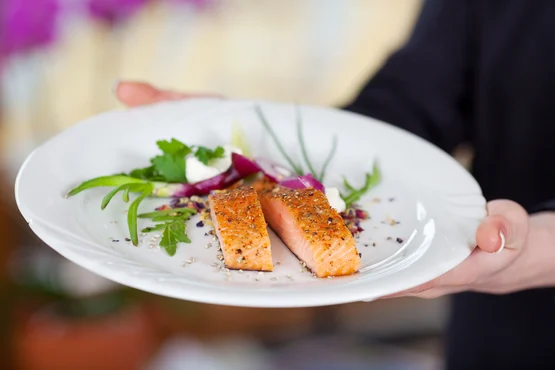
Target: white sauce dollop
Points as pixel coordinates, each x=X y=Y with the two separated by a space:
x=197 y=171
x=335 y=199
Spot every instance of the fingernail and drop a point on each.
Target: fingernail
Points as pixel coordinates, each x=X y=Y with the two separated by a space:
x=115 y=86
x=502 y=236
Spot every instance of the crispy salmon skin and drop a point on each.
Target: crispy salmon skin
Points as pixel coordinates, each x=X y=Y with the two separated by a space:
x=240 y=226
x=312 y=230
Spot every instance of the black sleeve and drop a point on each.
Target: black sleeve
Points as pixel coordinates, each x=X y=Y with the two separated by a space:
x=548 y=206
x=424 y=86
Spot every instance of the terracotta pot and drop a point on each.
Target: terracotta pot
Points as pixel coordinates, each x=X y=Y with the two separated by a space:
x=123 y=340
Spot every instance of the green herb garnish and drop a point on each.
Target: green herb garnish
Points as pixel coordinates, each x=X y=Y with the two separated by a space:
x=116 y=180
x=205 y=155
x=146 y=173
x=355 y=194
x=132 y=212
x=173 y=226
x=302 y=144
x=144 y=188
x=122 y=183
x=328 y=159
x=165 y=169
x=164 y=177
x=298 y=169
x=170 y=166
x=174 y=232
x=125 y=188
x=174 y=212
x=154 y=228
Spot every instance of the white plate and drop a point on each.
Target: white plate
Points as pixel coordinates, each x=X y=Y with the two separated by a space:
x=439 y=205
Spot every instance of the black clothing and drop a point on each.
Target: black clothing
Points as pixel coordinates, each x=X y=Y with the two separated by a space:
x=483 y=72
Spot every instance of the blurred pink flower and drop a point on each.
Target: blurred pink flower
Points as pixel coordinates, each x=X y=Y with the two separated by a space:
x=25 y=24
x=113 y=10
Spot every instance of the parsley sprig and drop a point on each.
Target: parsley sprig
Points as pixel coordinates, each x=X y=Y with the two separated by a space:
x=205 y=155
x=170 y=166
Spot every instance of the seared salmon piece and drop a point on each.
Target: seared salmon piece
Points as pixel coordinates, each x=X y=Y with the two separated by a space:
x=263 y=184
x=312 y=230
x=240 y=226
x=260 y=183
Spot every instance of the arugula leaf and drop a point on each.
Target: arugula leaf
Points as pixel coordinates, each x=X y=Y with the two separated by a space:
x=205 y=154
x=356 y=194
x=154 y=228
x=163 y=218
x=132 y=212
x=169 y=212
x=347 y=185
x=126 y=188
x=173 y=234
x=126 y=195
x=173 y=226
x=115 y=180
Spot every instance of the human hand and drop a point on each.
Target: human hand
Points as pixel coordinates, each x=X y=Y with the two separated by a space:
x=134 y=94
x=514 y=253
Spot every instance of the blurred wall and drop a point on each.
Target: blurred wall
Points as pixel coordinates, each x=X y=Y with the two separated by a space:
x=309 y=51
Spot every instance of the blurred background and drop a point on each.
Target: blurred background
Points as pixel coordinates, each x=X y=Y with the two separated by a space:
x=58 y=62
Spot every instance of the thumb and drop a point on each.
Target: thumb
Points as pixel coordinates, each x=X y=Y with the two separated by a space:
x=506 y=226
x=135 y=94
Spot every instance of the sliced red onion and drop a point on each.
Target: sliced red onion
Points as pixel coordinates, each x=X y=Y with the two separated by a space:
x=273 y=171
x=244 y=165
x=302 y=182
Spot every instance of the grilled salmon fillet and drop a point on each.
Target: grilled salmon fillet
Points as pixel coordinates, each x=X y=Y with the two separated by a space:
x=240 y=226
x=262 y=184
x=312 y=230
